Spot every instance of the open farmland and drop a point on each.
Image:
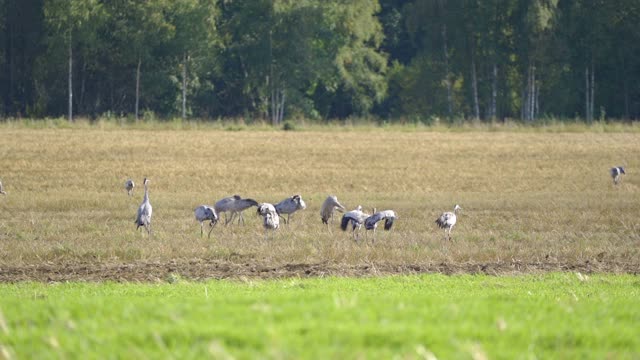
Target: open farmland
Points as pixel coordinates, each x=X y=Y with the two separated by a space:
x=532 y=202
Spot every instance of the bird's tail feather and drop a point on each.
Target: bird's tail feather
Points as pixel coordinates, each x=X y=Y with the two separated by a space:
x=253 y=202
x=388 y=223
x=344 y=223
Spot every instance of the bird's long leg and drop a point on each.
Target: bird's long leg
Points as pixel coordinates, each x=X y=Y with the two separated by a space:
x=240 y=218
x=230 y=219
x=201 y=229
x=211 y=225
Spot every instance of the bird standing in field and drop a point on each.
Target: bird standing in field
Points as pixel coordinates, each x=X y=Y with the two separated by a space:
x=356 y=218
x=270 y=218
x=290 y=205
x=235 y=205
x=328 y=206
x=616 y=174
x=145 y=210
x=2 y=192
x=447 y=220
x=129 y=185
x=371 y=223
x=204 y=213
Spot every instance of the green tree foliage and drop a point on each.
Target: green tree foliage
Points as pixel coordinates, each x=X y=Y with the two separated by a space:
x=277 y=59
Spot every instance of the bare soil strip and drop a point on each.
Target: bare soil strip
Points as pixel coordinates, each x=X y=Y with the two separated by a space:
x=199 y=269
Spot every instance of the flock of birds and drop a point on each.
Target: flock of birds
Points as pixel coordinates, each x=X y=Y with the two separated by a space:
x=234 y=206
x=272 y=214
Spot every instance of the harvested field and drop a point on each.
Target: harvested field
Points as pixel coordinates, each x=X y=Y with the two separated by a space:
x=532 y=203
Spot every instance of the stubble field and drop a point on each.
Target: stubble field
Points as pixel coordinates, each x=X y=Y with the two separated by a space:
x=531 y=202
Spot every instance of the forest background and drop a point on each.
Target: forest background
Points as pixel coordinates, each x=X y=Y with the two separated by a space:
x=272 y=60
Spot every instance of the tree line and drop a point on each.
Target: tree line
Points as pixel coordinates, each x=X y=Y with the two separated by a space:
x=321 y=59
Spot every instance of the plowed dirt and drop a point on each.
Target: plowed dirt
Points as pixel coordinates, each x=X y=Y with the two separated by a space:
x=199 y=269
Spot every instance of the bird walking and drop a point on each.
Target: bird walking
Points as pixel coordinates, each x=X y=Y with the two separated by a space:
x=204 y=213
x=371 y=223
x=145 y=210
x=447 y=220
x=235 y=205
x=2 y=192
x=328 y=207
x=290 y=205
x=270 y=218
x=129 y=185
x=356 y=218
x=616 y=174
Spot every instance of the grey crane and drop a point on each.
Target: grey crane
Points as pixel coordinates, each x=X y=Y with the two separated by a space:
x=616 y=173
x=447 y=220
x=270 y=217
x=328 y=206
x=371 y=223
x=290 y=205
x=356 y=218
x=204 y=213
x=235 y=205
x=129 y=185
x=2 y=192
x=145 y=210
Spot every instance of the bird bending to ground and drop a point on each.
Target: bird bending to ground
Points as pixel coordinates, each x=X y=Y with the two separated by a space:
x=329 y=205
x=447 y=220
x=145 y=210
x=129 y=185
x=2 y=192
x=235 y=205
x=204 y=213
x=270 y=218
x=290 y=205
x=371 y=223
x=356 y=218
x=616 y=173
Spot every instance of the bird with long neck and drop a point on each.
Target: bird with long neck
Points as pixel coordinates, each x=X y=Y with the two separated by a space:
x=356 y=218
x=326 y=211
x=145 y=210
x=447 y=220
x=129 y=185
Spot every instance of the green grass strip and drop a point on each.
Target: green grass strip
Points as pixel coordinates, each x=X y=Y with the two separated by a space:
x=563 y=315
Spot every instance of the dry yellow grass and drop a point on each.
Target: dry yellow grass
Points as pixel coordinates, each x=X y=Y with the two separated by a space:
x=527 y=197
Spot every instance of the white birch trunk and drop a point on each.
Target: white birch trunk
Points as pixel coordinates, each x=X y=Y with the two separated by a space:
x=184 y=87
x=70 y=79
x=494 y=92
x=445 y=51
x=282 y=99
x=138 y=88
x=532 y=94
x=446 y=70
x=586 y=94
